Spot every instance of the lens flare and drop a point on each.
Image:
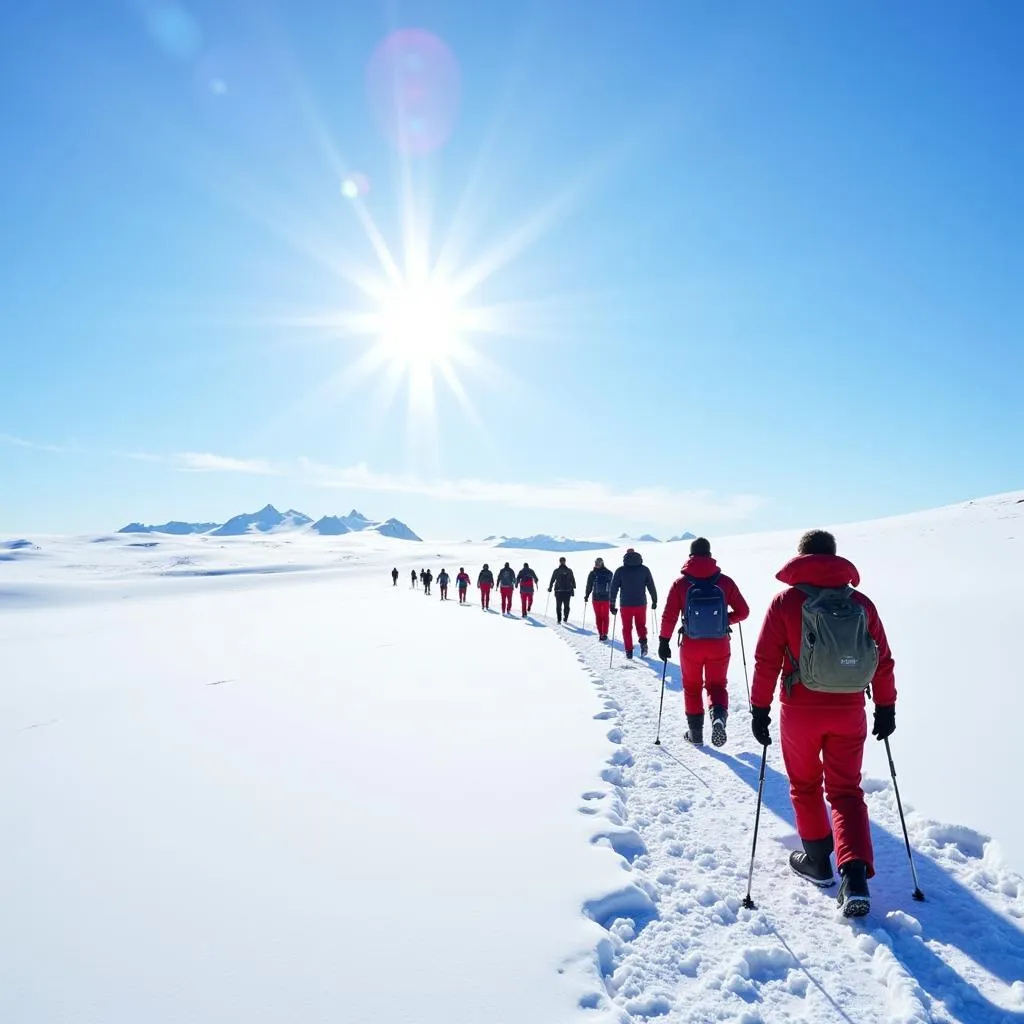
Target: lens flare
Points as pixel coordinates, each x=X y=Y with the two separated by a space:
x=414 y=85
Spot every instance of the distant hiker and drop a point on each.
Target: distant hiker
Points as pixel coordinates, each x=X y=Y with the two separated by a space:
x=827 y=641
x=599 y=585
x=428 y=578
x=527 y=580
x=634 y=580
x=563 y=582
x=506 y=584
x=412 y=573
x=442 y=582
x=394 y=577
x=485 y=581
x=710 y=602
x=462 y=585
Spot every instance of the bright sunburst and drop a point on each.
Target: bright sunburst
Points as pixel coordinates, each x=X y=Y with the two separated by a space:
x=419 y=325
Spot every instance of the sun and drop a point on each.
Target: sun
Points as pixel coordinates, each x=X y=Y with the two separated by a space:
x=419 y=324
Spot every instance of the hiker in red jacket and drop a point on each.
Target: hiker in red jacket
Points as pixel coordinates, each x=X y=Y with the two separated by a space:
x=822 y=718
x=462 y=585
x=710 y=602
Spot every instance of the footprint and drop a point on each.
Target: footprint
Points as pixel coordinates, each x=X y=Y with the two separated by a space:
x=626 y=842
x=615 y=735
x=603 y=716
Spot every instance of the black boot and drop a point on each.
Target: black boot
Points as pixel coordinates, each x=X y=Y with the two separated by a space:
x=815 y=863
x=853 y=896
x=695 y=733
x=718 y=720
x=643 y=648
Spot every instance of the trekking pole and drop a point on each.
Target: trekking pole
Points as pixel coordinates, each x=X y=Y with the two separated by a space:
x=917 y=894
x=747 y=901
x=615 y=622
x=743 y=648
x=547 y=604
x=584 y=615
x=661 y=704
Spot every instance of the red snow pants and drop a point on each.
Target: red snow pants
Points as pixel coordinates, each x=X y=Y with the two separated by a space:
x=462 y=595
x=485 y=595
x=444 y=592
x=631 y=617
x=506 y=599
x=827 y=744
x=601 y=617
x=705 y=663
x=526 y=596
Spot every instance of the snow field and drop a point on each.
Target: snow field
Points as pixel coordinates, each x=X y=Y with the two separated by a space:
x=289 y=803
x=253 y=781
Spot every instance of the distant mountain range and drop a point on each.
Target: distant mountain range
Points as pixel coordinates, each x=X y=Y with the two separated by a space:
x=269 y=520
x=543 y=542
x=547 y=542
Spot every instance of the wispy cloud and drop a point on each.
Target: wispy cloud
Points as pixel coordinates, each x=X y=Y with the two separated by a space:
x=206 y=462
x=21 y=442
x=643 y=504
x=647 y=504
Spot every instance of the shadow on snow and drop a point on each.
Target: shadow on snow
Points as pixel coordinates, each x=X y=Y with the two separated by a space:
x=952 y=914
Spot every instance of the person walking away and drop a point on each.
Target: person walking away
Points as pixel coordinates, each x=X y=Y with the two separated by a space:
x=394 y=577
x=709 y=602
x=442 y=582
x=827 y=642
x=485 y=582
x=563 y=582
x=634 y=581
x=527 y=580
x=599 y=586
x=428 y=578
x=412 y=573
x=462 y=585
x=506 y=584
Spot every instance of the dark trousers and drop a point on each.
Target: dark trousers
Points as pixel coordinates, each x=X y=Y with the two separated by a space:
x=562 y=605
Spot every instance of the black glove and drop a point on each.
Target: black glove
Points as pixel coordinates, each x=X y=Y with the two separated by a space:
x=614 y=610
x=549 y=590
x=664 y=649
x=654 y=605
x=759 y=721
x=885 y=721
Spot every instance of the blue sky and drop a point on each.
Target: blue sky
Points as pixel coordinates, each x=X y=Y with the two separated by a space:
x=757 y=265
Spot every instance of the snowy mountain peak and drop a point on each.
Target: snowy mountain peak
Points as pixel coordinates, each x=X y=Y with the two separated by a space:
x=331 y=526
x=396 y=529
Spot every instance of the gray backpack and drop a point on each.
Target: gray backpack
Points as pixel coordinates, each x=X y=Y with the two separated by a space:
x=837 y=652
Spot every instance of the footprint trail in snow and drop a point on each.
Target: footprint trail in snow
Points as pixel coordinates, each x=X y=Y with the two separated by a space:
x=680 y=947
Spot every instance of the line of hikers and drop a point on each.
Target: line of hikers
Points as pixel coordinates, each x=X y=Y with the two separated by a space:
x=820 y=637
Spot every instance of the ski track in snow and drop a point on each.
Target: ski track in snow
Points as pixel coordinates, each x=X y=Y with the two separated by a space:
x=680 y=947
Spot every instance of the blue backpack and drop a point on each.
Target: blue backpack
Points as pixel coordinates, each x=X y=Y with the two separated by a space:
x=706 y=614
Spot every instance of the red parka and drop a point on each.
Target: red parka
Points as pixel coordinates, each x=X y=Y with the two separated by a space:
x=782 y=628
x=700 y=567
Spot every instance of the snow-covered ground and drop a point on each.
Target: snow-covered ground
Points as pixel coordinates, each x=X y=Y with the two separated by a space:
x=247 y=779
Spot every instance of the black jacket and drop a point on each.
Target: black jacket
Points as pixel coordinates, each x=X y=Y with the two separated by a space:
x=486 y=578
x=599 y=583
x=563 y=581
x=506 y=577
x=633 y=579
